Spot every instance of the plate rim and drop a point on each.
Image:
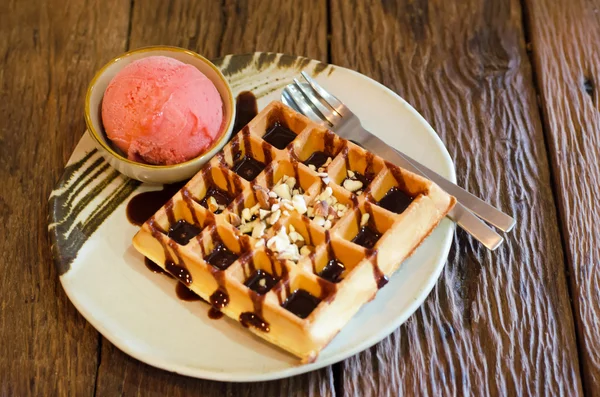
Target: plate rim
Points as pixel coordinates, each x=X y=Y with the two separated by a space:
x=148 y=358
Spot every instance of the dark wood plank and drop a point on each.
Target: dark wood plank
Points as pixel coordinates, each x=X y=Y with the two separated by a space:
x=564 y=42
x=214 y=30
x=48 y=53
x=497 y=323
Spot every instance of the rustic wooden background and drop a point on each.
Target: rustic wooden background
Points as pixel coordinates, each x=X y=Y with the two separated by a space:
x=511 y=87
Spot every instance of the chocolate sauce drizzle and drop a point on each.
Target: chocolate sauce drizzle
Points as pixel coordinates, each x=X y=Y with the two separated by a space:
x=221 y=197
x=177 y=269
x=219 y=299
x=236 y=153
x=260 y=281
x=397 y=173
x=284 y=280
x=182 y=232
x=248 y=168
x=317 y=159
x=214 y=314
x=143 y=205
x=246 y=109
x=279 y=135
x=179 y=272
x=395 y=200
x=380 y=279
x=248 y=319
x=188 y=199
x=332 y=272
x=328 y=143
x=186 y=294
x=154 y=268
x=301 y=303
x=221 y=257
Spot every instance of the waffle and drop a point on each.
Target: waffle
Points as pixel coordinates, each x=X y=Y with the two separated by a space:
x=292 y=263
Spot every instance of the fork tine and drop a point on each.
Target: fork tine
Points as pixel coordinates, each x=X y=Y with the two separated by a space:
x=297 y=101
x=332 y=117
x=288 y=100
x=331 y=100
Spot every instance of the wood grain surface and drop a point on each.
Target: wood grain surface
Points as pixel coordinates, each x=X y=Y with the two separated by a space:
x=564 y=42
x=48 y=54
x=496 y=323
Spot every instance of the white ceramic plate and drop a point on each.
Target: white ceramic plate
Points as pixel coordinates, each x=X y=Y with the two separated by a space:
x=138 y=310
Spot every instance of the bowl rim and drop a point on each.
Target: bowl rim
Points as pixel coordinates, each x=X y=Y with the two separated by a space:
x=94 y=133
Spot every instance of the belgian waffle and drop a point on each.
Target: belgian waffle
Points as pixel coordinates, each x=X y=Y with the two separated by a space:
x=290 y=229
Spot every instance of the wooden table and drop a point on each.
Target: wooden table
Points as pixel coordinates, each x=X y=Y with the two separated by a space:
x=510 y=87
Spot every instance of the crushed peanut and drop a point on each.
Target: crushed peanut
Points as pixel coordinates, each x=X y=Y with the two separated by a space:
x=352 y=185
x=326 y=209
x=364 y=219
x=271 y=206
x=288 y=245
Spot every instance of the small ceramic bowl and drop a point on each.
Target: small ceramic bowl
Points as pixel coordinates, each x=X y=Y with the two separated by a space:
x=146 y=172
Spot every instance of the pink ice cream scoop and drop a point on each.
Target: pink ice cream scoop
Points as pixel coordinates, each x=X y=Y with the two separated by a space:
x=159 y=110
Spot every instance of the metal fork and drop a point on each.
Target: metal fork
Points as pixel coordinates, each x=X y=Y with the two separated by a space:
x=316 y=103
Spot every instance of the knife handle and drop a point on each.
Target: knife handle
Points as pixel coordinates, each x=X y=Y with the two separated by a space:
x=475 y=227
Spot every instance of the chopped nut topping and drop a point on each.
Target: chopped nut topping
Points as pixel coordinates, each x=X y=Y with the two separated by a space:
x=352 y=185
x=287 y=205
x=299 y=204
x=325 y=209
x=319 y=220
x=262 y=195
x=271 y=220
x=290 y=181
x=279 y=242
x=212 y=204
x=271 y=206
x=258 y=230
x=364 y=219
x=263 y=213
x=283 y=191
x=234 y=219
x=287 y=246
x=246 y=228
x=305 y=250
x=321 y=208
x=325 y=194
x=246 y=215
